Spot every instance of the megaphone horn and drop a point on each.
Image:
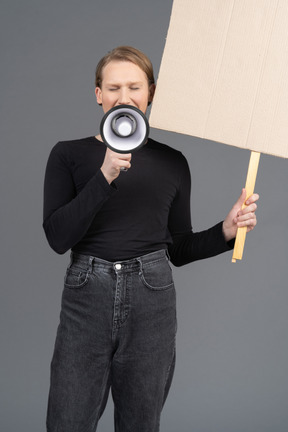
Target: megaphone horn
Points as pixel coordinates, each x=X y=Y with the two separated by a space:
x=124 y=129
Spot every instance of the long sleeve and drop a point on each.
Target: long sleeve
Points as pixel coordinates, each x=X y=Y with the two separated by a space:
x=188 y=246
x=67 y=213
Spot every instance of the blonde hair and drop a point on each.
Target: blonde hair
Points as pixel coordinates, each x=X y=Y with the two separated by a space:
x=125 y=53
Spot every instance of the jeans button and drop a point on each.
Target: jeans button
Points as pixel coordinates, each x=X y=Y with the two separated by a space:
x=118 y=266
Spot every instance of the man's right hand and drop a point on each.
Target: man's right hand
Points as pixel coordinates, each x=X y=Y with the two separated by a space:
x=113 y=163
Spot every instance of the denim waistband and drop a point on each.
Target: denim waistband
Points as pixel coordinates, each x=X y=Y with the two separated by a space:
x=130 y=264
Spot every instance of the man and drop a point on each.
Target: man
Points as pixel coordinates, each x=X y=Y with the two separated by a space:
x=118 y=318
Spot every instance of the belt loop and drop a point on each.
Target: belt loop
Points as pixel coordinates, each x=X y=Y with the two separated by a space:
x=71 y=260
x=141 y=265
x=91 y=260
x=167 y=254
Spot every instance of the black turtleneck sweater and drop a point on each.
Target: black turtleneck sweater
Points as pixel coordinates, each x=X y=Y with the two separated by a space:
x=145 y=209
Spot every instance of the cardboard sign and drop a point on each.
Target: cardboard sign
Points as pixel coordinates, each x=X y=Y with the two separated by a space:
x=224 y=73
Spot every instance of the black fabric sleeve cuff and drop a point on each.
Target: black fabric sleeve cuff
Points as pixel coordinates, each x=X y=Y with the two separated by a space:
x=189 y=247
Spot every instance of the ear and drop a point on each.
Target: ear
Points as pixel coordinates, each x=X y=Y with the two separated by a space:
x=152 y=89
x=98 y=94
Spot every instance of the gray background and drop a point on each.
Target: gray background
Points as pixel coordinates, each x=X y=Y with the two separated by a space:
x=232 y=364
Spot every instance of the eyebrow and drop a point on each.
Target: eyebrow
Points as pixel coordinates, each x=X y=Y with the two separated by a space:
x=115 y=84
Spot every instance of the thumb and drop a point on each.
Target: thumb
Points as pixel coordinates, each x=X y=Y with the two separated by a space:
x=241 y=200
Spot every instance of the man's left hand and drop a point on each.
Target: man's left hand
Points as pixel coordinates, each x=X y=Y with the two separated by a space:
x=238 y=217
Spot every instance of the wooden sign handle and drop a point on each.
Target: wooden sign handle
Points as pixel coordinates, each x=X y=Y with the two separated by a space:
x=250 y=184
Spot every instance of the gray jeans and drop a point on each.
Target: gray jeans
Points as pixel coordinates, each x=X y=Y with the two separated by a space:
x=117 y=330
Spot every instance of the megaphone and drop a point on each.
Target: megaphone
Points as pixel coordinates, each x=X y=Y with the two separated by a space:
x=124 y=129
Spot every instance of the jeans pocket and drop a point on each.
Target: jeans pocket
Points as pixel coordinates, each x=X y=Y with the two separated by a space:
x=157 y=275
x=76 y=278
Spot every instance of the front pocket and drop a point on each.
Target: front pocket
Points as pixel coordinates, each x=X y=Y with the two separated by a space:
x=75 y=278
x=157 y=275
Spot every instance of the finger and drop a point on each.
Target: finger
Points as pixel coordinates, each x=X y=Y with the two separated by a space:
x=125 y=165
x=119 y=155
x=251 y=227
x=246 y=217
x=125 y=157
x=253 y=198
x=116 y=157
x=120 y=160
x=250 y=224
x=249 y=209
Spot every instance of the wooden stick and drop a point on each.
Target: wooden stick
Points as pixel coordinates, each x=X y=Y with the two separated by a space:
x=250 y=184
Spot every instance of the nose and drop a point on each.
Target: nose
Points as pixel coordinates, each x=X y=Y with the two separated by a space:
x=124 y=97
